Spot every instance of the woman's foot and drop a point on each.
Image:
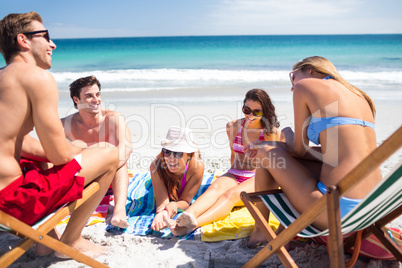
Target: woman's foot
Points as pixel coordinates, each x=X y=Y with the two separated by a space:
x=86 y=247
x=256 y=239
x=187 y=220
x=174 y=228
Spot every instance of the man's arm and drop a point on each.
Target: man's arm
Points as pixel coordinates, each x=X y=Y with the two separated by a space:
x=123 y=137
x=43 y=96
x=32 y=149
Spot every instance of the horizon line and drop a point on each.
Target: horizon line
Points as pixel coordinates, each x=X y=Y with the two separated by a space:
x=227 y=35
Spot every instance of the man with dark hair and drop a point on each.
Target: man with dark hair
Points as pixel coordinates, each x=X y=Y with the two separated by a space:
x=92 y=124
x=28 y=99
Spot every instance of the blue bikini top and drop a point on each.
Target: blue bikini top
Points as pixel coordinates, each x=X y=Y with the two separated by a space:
x=318 y=124
x=321 y=123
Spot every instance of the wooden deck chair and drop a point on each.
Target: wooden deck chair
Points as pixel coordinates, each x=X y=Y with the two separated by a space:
x=381 y=205
x=38 y=232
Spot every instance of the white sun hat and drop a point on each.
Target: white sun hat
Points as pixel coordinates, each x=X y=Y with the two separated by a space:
x=179 y=140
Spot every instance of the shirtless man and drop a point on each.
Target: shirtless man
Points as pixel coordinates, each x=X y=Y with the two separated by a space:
x=28 y=99
x=92 y=124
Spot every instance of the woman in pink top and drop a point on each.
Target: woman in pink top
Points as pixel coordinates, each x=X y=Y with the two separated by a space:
x=260 y=123
x=176 y=174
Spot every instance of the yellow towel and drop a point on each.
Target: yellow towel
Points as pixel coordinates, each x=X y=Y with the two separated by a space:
x=238 y=224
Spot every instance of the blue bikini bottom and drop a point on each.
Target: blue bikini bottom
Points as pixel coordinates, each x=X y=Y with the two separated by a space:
x=346 y=204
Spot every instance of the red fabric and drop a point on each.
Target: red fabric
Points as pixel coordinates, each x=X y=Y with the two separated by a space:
x=371 y=247
x=39 y=192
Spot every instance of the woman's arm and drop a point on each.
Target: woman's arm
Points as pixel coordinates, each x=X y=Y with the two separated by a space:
x=196 y=173
x=160 y=191
x=298 y=144
x=298 y=141
x=231 y=137
x=161 y=198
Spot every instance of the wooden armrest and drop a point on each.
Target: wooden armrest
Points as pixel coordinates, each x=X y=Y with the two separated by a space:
x=254 y=196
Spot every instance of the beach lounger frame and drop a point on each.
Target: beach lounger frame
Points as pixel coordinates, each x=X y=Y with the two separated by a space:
x=38 y=232
x=330 y=202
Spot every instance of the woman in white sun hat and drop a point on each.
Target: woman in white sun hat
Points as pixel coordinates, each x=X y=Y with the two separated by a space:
x=259 y=123
x=176 y=174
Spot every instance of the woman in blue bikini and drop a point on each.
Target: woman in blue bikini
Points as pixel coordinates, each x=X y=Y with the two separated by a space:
x=260 y=123
x=327 y=111
x=176 y=174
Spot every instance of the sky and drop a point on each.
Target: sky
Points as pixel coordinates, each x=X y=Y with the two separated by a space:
x=137 y=18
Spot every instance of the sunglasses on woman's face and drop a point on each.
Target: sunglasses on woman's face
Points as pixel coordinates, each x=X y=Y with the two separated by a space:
x=256 y=112
x=292 y=76
x=167 y=153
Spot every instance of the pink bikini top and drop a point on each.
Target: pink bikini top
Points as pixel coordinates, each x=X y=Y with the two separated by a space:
x=238 y=141
x=183 y=180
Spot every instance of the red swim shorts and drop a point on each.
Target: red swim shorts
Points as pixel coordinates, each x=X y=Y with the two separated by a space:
x=39 y=192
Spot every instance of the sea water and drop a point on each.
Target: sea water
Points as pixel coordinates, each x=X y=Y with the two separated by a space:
x=200 y=81
x=223 y=68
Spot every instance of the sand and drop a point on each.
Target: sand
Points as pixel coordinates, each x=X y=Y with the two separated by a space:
x=148 y=123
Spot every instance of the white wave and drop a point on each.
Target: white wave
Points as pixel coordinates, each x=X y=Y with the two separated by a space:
x=383 y=76
x=174 y=75
x=167 y=79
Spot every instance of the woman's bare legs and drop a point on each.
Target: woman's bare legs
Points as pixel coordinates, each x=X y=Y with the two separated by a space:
x=221 y=202
x=263 y=182
x=100 y=165
x=296 y=177
x=224 y=205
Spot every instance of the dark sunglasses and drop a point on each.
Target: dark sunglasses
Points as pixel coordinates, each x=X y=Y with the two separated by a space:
x=167 y=153
x=46 y=35
x=256 y=112
x=292 y=76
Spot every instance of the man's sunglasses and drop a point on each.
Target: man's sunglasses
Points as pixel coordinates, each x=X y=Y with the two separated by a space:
x=46 y=35
x=167 y=153
x=256 y=112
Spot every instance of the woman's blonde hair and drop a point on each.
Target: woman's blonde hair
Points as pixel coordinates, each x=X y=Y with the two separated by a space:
x=323 y=66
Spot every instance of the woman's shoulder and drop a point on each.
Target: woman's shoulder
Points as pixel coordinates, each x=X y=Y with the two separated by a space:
x=154 y=165
x=196 y=165
x=274 y=135
x=314 y=85
x=196 y=158
x=235 y=124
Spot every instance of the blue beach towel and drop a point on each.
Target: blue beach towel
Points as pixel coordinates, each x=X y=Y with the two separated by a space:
x=141 y=206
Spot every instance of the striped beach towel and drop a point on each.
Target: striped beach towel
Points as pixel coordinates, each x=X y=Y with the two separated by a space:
x=383 y=199
x=99 y=214
x=141 y=206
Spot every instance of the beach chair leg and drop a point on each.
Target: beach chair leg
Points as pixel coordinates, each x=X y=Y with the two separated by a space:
x=387 y=241
x=40 y=235
x=335 y=240
x=282 y=253
x=348 y=243
x=11 y=256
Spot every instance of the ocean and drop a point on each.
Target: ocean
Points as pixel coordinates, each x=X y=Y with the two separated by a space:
x=223 y=68
x=200 y=81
